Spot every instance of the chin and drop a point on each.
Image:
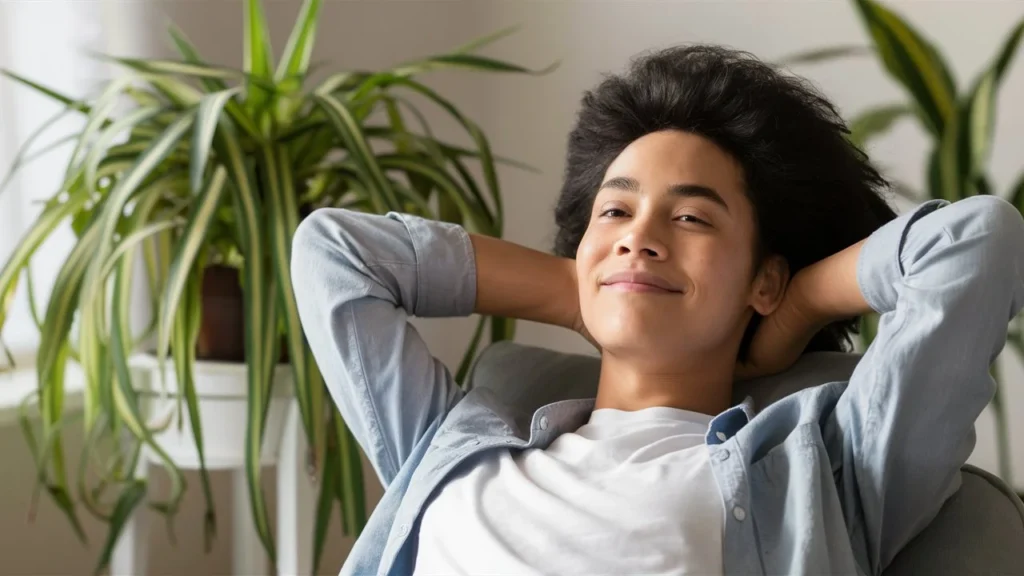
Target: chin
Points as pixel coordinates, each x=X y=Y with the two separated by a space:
x=626 y=336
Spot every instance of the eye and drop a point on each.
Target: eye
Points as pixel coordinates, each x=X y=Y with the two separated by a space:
x=693 y=219
x=618 y=213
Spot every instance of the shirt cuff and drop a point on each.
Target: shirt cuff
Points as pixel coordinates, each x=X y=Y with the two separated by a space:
x=880 y=266
x=445 y=267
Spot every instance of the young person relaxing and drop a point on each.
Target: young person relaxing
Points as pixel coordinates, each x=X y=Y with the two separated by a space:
x=714 y=224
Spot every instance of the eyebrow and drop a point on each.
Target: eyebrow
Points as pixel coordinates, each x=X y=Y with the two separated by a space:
x=629 y=184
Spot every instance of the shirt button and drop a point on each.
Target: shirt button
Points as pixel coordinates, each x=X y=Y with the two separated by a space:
x=721 y=436
x=477 y=441
x=403 y=529
x=723 y=455
x=544 y=423
x=508 y=440
x=739 y=513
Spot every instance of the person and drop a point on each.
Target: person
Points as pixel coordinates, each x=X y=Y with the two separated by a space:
x=714 y=225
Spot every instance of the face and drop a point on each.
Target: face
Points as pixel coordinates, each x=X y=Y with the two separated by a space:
x=666 y=266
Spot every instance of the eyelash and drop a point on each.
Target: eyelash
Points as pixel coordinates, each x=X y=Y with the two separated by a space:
x=695 y=219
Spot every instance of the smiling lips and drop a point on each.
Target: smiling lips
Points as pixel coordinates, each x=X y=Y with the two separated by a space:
x=639 y=281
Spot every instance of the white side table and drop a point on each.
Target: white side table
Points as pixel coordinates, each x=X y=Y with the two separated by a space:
x=296 y=513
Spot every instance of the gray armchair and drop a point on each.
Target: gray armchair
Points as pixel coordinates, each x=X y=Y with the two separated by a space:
x=980 y=530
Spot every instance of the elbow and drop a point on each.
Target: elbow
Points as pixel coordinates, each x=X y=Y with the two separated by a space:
x=987 y=235
x=310 y=245
x=993 y=231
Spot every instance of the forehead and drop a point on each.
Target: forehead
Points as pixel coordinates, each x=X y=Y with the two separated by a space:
x=662 y=159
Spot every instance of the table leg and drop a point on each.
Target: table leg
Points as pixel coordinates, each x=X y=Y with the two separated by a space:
x=249 y=558
x=296 y=501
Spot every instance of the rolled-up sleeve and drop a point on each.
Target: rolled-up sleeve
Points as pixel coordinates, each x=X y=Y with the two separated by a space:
x=358 y=277
x=946 y=280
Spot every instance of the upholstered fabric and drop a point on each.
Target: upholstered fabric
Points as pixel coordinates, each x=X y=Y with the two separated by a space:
x=980 y=530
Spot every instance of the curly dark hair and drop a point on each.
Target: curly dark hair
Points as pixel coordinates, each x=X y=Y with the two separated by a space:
x=813 y=192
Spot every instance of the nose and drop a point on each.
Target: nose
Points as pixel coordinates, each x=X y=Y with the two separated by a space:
x=642 y=240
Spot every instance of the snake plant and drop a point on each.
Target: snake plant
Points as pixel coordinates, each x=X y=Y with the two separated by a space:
x=959 y=121
x=214 y=165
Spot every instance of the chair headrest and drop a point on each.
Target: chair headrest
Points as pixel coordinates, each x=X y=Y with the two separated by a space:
x=535 y=376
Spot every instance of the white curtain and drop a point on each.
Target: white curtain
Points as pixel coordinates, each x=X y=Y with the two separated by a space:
x=47 y=42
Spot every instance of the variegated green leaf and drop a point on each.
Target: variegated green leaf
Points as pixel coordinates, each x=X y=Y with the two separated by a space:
x=981 y=105
x=876 y=122
x=182 y=265
x=474 y=45
x=479 y=139
x=126 y=504
x=190 y=54
x=818 y=55
x=45 y=224
x=351 y=133
x=466 y=61
x=67 y=101
x=324 y=505
x=186 y=332
x=22 y=157
x=283 y=219
x=256 y=53
x=207 y=118
x=913 y=61
x=351 y=494
x=478 y=219
x=295 y=60
x=258 y=306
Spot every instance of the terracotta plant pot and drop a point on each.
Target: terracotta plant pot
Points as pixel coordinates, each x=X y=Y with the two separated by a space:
x=222 y=329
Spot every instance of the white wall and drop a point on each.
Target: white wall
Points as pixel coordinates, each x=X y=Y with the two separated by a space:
x=528 y=118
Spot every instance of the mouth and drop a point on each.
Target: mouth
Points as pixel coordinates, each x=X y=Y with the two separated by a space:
x=639 y=281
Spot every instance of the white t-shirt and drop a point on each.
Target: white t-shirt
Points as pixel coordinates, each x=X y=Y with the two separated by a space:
x=630 y=492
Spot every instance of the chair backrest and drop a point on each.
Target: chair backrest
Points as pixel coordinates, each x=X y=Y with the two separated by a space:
x=980 y=530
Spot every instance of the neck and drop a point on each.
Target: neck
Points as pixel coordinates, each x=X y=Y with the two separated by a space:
x=632 y=383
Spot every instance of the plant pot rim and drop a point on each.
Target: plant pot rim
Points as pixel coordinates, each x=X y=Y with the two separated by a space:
x=148 y=360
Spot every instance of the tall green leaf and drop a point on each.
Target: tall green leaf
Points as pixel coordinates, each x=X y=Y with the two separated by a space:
x=207 y=117
x=350 y=481
x=50 y=92
x=283 y=219
x=295 y=60
x=257 y=53
x=913 y=61
x=189 y=246
x=190 y=54
x=324 y=505
x=981 y=104
x=875 y=122
x=186 y=332
x=469 y=62
x=257 y=304
x=54 y=213
x=126 y=504
x=22 y=157
x=479 y=139
x=818 y=55
x=474 y=45
x=352 y=134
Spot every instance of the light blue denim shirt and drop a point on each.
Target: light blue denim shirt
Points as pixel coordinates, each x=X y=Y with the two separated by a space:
x=834 y=479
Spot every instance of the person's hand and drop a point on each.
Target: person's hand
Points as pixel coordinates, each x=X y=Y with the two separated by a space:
x=782 y=336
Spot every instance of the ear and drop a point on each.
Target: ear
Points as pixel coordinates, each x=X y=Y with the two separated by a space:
x=770 y=285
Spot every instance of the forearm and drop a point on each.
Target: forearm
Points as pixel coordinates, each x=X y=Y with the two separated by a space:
x=520 y=282
x=828 y=290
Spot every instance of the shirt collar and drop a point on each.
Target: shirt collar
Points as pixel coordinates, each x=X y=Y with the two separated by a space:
x=728 y=423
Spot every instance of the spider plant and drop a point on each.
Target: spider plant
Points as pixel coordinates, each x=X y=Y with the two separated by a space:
x=959 y=121
x=208 y=165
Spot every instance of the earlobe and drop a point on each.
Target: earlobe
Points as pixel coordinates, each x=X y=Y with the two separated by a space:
x=770 y=285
